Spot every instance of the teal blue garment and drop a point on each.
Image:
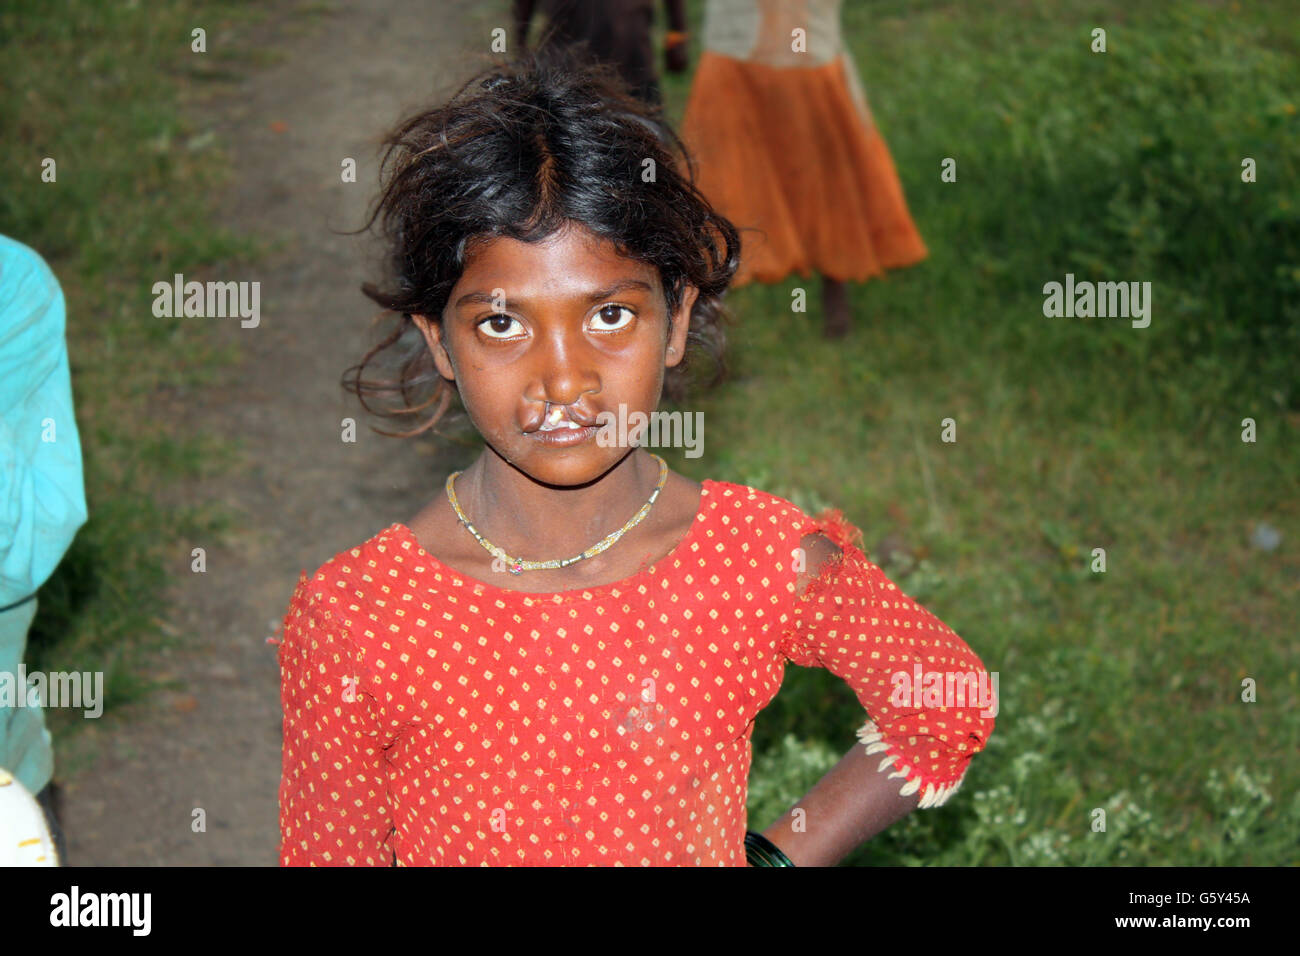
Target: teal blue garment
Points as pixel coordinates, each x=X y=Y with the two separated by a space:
x=42 y=495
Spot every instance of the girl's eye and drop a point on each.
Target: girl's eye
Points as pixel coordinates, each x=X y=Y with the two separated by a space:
x=499 y=326
x=608 y=319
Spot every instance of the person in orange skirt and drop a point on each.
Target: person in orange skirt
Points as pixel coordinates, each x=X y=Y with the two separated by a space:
x=787 y=150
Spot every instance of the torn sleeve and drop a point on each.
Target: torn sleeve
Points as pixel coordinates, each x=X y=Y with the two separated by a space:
x=929 y=701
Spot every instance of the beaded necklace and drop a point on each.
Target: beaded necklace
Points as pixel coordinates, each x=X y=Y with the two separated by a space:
x=519 y=565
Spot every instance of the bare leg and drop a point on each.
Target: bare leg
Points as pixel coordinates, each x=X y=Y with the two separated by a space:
x=835 y=306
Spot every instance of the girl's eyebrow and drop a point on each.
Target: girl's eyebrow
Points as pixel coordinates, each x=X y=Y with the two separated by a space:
x=620 y=286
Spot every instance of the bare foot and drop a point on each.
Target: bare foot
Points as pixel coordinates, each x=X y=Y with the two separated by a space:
x=835 y=307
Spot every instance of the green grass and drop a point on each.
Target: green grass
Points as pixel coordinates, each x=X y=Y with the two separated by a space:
x=101 y=89
x=1121 y=691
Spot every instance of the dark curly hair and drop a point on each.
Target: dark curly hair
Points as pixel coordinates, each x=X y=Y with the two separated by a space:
x=522 y=150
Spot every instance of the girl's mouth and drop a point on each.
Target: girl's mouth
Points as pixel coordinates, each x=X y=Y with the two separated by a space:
x=565 y=436
x=558 y=428
x=557 y=418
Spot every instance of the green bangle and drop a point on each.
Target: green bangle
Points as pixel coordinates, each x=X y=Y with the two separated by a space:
x=760 y=851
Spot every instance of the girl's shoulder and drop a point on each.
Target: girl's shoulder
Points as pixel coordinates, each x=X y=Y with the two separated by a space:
x=726 y=497
x=766 y=514
x=779 y=537
x=350 y=587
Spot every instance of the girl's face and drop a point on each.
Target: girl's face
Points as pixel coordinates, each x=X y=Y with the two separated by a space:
x=565 y=324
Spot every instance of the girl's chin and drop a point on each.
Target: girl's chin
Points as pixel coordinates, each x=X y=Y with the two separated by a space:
x=576 y=464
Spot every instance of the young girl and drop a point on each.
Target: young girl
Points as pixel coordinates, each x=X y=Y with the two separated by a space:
x=787 y=147
x=559 y=660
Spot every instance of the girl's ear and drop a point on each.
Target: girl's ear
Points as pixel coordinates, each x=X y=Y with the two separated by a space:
x=433 y=336
x=680 y=325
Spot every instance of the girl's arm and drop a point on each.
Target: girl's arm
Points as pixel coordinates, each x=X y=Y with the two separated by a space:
x=850 y=805
x=334 y=807
x=854 y=621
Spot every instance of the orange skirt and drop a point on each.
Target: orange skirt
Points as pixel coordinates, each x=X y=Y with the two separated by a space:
x=788 y=153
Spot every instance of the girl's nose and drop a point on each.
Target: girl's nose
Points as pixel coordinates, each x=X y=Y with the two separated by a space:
x=568 y=369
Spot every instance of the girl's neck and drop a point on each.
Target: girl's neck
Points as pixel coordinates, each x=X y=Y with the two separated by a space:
x=540 y=522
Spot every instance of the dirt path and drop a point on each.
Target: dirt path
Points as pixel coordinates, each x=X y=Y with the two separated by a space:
x=344 y=78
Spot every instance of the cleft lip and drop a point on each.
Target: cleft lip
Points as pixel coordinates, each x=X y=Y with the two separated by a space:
x=560 y=414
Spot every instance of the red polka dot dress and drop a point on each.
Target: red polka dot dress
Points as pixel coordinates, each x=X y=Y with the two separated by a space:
x=433 y=719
